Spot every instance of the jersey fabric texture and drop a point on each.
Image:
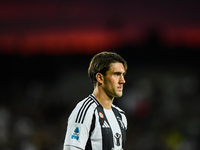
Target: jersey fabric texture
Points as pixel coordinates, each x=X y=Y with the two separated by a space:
x=91 y=127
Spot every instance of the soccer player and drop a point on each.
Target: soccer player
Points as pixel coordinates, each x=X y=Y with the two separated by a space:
x=96 y=123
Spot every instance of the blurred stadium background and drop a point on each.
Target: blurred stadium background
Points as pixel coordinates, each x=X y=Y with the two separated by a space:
x=45 y=50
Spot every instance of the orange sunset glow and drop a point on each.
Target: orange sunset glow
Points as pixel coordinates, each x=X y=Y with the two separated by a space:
x=88 y=27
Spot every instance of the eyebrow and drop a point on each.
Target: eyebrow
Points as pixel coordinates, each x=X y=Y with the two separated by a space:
x=118 y=72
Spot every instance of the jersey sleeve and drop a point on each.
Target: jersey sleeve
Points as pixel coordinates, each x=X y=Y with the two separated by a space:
x=78 y=126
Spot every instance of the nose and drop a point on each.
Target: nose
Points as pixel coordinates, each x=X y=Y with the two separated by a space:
x=122 y=80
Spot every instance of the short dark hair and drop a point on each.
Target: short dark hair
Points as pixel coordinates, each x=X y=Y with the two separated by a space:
x=100 y=63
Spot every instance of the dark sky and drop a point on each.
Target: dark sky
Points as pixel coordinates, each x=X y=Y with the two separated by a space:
x=88 y=26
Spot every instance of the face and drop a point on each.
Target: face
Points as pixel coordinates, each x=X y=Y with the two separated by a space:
x=114 y=80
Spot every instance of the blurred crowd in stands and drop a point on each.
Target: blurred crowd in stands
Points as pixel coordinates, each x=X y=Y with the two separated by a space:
x=162 y=105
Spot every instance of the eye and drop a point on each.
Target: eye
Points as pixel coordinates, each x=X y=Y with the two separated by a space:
x=118 y=74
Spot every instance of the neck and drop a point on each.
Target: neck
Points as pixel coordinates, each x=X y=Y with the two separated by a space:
x=103 y=98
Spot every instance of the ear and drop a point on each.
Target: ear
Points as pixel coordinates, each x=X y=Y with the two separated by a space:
x=99 y=78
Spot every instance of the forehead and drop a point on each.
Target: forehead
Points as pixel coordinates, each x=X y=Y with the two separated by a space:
x=117 y=67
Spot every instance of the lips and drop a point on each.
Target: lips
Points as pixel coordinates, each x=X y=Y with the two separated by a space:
x=120 y=88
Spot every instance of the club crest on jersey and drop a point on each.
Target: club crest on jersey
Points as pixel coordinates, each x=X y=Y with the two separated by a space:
x=117 y=139
x=101 y=115
x=76 y=133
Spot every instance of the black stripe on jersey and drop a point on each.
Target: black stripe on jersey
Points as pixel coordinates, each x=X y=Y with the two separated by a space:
x=85 y=106
x=121 y=124
x=82 y=109
x=89 y=144
x=94 y=98
x=86 y=111
x=107 y=134
x=122 y=112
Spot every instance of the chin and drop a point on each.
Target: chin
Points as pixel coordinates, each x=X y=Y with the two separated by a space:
x=119 y=95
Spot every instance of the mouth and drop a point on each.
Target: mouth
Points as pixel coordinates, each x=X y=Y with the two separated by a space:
x=120 y=88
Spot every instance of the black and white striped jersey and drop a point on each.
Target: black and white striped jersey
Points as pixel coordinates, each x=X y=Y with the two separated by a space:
x=91 y=127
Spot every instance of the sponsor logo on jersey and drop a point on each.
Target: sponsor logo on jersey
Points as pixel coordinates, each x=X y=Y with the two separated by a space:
x=101 y=115
x=117 y=139
x=105 y=125
x=76 y=133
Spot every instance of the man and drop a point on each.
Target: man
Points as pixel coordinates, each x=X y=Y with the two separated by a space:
x=95 y=123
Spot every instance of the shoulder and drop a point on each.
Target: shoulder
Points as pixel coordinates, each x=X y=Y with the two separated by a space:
x=119 y=109
x=79 y=123
x=87 y=104
x=84 y=109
